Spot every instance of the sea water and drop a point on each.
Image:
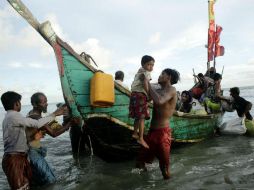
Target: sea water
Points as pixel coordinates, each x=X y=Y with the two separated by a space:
x=223 y=162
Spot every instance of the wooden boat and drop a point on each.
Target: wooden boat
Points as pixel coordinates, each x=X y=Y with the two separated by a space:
x=110 y=128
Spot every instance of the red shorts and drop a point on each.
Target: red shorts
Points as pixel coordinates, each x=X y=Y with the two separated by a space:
x=138 y=108
x=159 y=142
x=17 y=169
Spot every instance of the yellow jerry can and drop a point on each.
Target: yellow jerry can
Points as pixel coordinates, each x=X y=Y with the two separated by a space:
x=102 y=90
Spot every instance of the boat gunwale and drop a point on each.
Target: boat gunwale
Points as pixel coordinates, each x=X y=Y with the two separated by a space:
x=188 y=141
x=72 y=51
x=198 y=116
x=107 y=116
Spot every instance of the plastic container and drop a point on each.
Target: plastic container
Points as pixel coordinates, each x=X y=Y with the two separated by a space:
x=102 y=90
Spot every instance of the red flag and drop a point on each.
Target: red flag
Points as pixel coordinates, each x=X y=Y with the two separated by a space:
x=210 y=46
x=217 y=34
x=219 y=50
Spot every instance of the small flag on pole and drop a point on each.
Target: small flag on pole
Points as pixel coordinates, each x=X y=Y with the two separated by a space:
x=218 y=50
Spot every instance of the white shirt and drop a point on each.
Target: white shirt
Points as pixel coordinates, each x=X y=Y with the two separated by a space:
x=121 y=83
x=138 y=85
x=14 y=135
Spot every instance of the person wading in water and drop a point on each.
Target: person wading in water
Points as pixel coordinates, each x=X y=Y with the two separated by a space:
x=159 y=135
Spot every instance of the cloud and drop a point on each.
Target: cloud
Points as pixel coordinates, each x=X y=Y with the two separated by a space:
x=56 y=26
x=16 y=65
x=53 y=93
x=183 y=41
x=6 y=28
x=193 y=36
x=39 y=65
x=28 y=38
x=155 y=38
x=34 y=65
x=91 y=46
x=23 y=37
x=15 y=37
x=100 y=54
x=251 y=61
x=188 y=39
x=234 y=71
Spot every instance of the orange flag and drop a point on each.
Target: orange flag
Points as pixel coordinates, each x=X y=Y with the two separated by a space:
x=210 y=47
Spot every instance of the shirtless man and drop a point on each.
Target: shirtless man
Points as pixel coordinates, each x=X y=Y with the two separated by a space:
x=42 y=173
x=159 y=135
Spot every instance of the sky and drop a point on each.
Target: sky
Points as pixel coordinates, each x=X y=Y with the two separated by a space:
x=117 y=33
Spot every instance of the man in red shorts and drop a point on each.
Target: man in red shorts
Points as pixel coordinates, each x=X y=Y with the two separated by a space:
x=159 y=135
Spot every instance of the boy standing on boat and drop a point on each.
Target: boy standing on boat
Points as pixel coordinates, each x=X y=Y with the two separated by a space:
x=15 y=163
x=159 y=135
x=138 y=108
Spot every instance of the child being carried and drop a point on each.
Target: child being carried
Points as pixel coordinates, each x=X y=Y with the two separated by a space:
x=138 y=108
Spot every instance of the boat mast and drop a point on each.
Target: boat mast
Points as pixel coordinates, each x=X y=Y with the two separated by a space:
x=214 y=49
x=214 y=36
x=19 y=6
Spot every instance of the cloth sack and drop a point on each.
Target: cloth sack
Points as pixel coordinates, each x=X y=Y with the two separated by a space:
x=197 y=108
x=234 y=127
x=250 y=127
x=227 y=105
x=212 y=106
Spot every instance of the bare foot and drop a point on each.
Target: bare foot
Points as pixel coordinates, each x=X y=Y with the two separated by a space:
x=143 y=143
x=135 y=136
x=166 y=174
